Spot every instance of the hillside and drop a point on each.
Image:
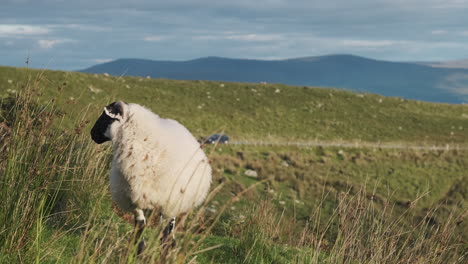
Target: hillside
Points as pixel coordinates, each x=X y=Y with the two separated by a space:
x=316 y=204
x=407 y=80
x=267 y=112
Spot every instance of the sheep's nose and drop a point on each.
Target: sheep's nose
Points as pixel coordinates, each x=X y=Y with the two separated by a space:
x=98 y=136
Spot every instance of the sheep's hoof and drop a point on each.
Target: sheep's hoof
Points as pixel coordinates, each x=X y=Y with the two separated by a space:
x=167 y=245
x=168 y=242
x=141 y=246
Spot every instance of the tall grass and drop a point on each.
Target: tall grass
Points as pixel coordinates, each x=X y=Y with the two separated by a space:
x=49 y=177
x=362 y=234
x=368 y=235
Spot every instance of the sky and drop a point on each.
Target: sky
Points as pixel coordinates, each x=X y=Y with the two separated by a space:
x=73 y=35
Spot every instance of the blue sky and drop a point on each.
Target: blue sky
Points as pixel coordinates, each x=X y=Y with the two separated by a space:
x=69 y=35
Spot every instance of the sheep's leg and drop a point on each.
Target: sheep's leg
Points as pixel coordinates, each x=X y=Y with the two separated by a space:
x=140 y=223
x=167 y=232
x=167 y=240
x=170 y=227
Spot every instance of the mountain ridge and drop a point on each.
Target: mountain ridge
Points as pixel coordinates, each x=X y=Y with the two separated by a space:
x=401 y=79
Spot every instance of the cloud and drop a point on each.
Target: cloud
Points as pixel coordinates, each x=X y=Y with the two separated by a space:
x=255 y=37
x=155 y=38
x=50 y=43
x=447 y=4
x=81 y=27
x=439 y=32
x=249 y=37
x=101 y=60
x=450 y=33
x=371 y=43
x=7 y=30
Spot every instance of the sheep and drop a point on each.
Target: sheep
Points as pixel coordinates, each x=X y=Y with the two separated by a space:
x=157 y=164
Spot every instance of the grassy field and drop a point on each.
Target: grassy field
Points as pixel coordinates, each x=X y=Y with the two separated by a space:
x=307 y=205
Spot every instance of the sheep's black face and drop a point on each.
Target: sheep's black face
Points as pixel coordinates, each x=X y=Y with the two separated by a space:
x=99 y=129
x=111 y=114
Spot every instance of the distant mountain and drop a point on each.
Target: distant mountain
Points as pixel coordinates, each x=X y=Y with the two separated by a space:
x=402 y=79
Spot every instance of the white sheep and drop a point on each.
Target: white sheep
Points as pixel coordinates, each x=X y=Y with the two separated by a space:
x=157 y=163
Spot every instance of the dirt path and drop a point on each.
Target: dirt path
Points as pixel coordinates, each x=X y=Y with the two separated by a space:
x=388 y=145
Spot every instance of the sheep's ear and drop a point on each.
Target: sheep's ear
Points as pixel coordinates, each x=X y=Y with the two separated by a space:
x=115 y=110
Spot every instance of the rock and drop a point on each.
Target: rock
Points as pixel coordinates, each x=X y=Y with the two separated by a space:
x=211 y=210
x=251 y=173
x=94 y=90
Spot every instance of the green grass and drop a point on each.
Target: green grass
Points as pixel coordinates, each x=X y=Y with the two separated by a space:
x=307 y=205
